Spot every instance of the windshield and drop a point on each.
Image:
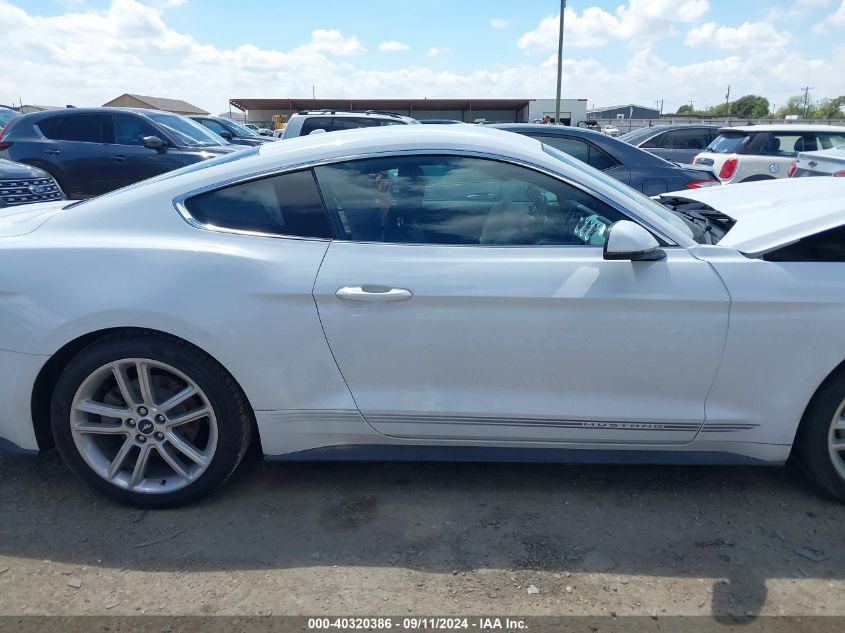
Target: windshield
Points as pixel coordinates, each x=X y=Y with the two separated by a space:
x=188 y=132
x=6 y=116
x=727 y=143
x=655 y=207
x=241 y=130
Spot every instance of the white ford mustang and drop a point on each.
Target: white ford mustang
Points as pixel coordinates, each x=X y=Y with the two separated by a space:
x=421 y=293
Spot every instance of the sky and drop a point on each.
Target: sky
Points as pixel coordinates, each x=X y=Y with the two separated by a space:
x=86 y=52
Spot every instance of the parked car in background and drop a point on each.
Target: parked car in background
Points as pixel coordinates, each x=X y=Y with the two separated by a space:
x=307 y=122
x=90 y=151
x=23 y=184
x=6 y=115
x=610 y=130
x=641 y=170
x=544 y=312
x=589 y=124
x=764 y=152
x=828 y=162
x=675 y=143
x=261 y=131
x=232 y=131
x=439 y=121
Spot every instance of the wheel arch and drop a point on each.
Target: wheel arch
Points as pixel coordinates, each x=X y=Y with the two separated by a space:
x=45 y=382
x=836 y=371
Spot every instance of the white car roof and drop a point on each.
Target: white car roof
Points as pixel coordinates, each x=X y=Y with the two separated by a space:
x=785 y=128
x=773 y=213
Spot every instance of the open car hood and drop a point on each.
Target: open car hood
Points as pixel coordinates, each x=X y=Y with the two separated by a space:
x=23 y=219
x=773 y=213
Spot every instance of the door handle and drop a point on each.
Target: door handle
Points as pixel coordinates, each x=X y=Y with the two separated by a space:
x=373 y=293
x=119 y=158
x=52 y=152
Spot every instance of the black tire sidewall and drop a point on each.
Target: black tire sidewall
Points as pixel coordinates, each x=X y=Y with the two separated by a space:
x=209 y=376
x=811 y=447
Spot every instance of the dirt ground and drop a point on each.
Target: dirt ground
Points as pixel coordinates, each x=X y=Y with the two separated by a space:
x=369 y=539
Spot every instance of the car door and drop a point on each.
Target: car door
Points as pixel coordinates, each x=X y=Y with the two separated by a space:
x=76 y=146
x=506 y=324
x=130 y=160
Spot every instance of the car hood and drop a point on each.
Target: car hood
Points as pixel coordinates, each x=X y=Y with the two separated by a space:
x=10 y=171
x=23 y=219
x=773 y=213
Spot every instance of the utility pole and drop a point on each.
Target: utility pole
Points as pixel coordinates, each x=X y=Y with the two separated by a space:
x=659 y=104
x=806 y=101
x=728 y=102
x=559 y=62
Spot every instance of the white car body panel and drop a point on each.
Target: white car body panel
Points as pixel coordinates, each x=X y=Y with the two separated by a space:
x=687 y=376
x=774 y=214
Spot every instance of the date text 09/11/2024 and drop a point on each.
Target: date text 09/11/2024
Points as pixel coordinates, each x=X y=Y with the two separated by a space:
x=417 y=623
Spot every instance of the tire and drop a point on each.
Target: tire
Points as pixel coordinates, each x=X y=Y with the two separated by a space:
x=812 y=450
x=154 y=454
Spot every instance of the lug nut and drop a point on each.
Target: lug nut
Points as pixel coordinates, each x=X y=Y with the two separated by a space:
x=130 y=422
x=142 y=411
x=141 y=438
x=160 y=418
x=159 y=436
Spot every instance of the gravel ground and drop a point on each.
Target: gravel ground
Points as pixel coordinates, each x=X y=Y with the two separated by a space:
x=369 y=539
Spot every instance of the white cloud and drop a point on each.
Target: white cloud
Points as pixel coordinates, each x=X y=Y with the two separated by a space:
x=436 y=52
x=639 y=22
x=393 y=46
x=93 y=56
x=747 y=35
x=834 y=19
x=499 y=23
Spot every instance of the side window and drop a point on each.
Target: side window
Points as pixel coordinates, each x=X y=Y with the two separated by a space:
x=455 y=200
x=288 y=204
x=352 y=123
x=687 y=139
x=214 y=126
x=657 y=142
x=575 y=148
x=600 y=160
x=783 y=145
x=828 y=246
x=131 y=130
x=315 y=123
x=51 y=128
x=89 y=128
x=828 y=141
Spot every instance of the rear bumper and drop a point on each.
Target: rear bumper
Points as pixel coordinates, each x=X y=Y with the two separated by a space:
x=17 y=377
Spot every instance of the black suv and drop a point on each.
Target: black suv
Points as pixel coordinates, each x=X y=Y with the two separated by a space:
x=233 y=131
x=91 y=151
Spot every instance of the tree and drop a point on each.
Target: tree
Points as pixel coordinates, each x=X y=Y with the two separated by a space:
x=794 y=105
x=750 y=107
x=685 y=110
x=830 y=109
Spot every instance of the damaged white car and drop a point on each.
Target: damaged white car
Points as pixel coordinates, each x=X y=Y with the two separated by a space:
x=406 y=293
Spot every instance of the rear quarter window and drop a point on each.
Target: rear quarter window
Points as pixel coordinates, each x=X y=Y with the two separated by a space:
x=828 y=246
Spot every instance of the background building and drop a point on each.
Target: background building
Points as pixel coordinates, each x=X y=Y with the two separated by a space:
x=261 y=111
x=155 y=103
x=630 y=111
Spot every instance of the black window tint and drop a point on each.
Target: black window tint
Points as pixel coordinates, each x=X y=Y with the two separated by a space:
x=600 y=160
x=351 y=123
x=284 y=205
x=131 y=130
x=575 y=148
x=51 y=127
x=315 y=123
x=828 y=246
x=89 y=128
x=459 y=200
x=658 y=141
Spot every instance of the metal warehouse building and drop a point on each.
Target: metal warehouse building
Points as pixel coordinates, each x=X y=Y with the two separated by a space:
x=261 y=111
x=630 y=111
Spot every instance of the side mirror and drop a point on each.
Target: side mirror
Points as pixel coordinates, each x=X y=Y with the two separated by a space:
x=628 y=240
x=227 y=135
x=153 y=142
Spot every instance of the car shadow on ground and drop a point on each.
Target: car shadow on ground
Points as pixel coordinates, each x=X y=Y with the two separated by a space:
x=740 y=525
